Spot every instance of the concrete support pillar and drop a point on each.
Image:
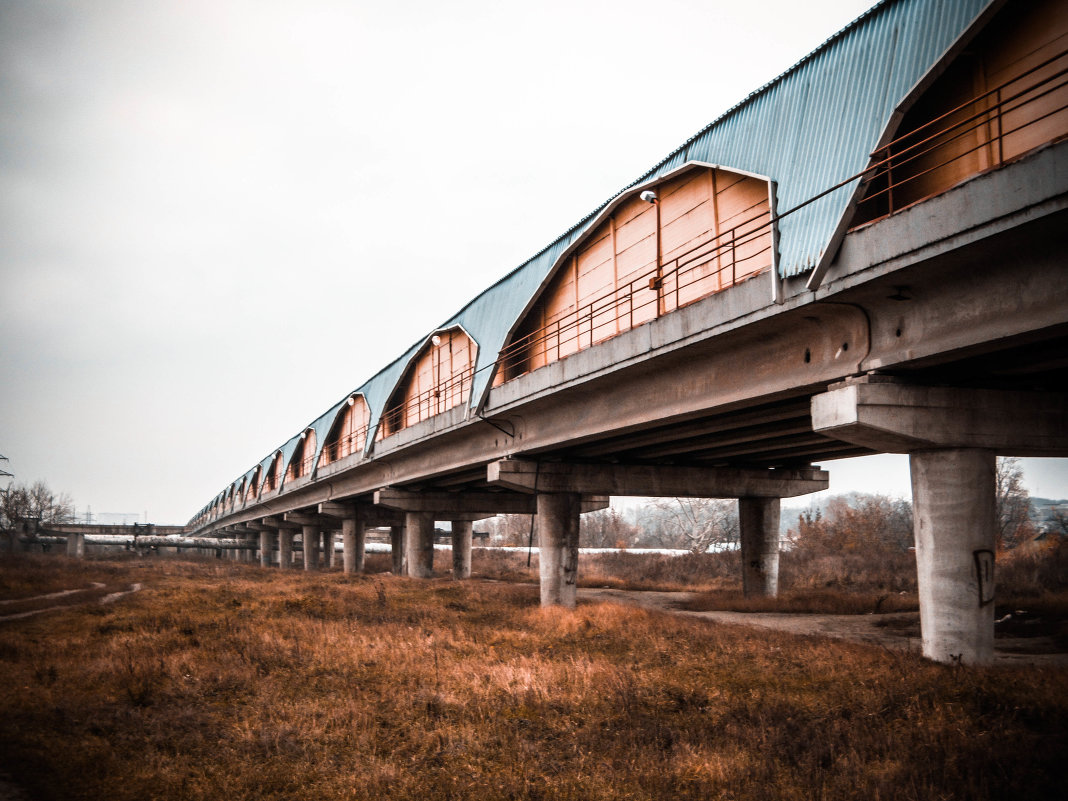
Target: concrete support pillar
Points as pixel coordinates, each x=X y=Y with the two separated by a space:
x=267 y=542
x=396 y=545
x=461 y=548
x=311 y=547
x=758 y=519
x=329 y=550
x=558 y=545
x=953 y=495
x=352 y=540
x=249 y=554
x=285 y=549
x=76 y=545
x=419 y=543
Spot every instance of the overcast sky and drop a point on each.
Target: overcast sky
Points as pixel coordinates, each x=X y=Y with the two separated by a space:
x=217 y=217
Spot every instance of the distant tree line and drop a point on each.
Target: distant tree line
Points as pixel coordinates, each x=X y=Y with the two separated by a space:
x=34 y=502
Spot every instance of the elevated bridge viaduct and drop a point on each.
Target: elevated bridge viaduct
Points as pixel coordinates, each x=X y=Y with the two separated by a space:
x=720 y=331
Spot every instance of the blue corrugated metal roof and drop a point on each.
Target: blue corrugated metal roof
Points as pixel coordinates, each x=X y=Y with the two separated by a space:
x=809 y=129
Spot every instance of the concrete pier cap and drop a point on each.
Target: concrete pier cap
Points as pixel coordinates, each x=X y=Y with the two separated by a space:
x=953 y=436
x=556 y=485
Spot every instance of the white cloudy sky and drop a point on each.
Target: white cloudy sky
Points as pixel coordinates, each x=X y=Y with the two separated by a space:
x=219 y=216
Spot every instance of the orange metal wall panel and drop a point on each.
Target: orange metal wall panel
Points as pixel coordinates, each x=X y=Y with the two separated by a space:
x=613 y=282
x=987 y=107
x=439 y=379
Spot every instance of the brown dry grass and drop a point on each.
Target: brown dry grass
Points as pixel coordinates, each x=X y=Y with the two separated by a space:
x=223 y=681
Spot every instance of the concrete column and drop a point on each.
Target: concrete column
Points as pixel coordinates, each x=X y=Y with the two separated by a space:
x=953 y=496
x=253 y=541
x=76 y=545
x=328 y=548
x=461 y=548
x=285 y=549
x=758 y=519
x=311 y=547
x=419 y=543
x=267 y=542
x=558 y=544
x=396 y=545
x=352 y=531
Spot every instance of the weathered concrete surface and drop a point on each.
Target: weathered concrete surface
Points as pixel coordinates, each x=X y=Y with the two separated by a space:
x=285 y=548
x=654 y=480
x=419 y=544
x=462 y=532
x=758 y=520
x=76 y=545
x=267 y=543
x=953 y=494
x=352 y=543
x=558 y=542
x=310 y=537
x=329 y=549
x=399 y=565
x=887 y=415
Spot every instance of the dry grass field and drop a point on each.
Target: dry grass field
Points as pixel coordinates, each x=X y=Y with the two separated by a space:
x=226 y=681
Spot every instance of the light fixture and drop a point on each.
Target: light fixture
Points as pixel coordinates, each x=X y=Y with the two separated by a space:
x=649 y=196
x=436 y=340
x=352 y=400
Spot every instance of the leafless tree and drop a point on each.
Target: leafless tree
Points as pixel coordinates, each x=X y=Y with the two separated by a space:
x=700 y=523
x=1013 y=519
x=606 y=528
x=37 y=501
x=509 y=529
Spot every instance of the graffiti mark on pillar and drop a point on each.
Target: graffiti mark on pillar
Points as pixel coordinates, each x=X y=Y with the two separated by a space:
x=984 y=573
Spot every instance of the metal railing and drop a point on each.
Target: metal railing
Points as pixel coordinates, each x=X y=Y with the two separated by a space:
x=714 y=262
x=439 y=398
x=944 y=140
x=345 y=446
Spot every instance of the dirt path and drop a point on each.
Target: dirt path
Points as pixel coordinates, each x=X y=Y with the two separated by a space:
x=869 y=629
x=55 y=596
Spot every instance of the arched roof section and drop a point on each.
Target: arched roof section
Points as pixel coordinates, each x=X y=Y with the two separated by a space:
x=336 y=417
x=321 y=427
x=595 y=223
x=416 y=354
x=252 y=483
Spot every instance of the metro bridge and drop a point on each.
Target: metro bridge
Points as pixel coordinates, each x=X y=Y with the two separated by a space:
x=866 y=255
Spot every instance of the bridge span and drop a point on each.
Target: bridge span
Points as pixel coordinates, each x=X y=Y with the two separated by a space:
x=866 y=255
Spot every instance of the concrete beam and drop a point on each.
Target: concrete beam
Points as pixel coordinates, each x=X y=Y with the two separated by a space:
x=450 y=503
x=310 y=519
x=278 y=522
x=373 y=516
x=893 y=417
x=667 y=481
